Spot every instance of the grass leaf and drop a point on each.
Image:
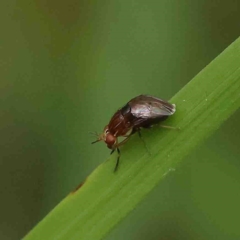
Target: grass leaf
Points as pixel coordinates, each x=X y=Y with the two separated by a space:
x=106 y=197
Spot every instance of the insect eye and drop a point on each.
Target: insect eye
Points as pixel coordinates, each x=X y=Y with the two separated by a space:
x=110 y=140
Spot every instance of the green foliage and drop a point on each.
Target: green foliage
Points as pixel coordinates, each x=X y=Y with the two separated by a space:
x=107 y=197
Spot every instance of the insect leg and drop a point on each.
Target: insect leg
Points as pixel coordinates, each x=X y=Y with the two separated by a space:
x=118 y=150
x=117 y=163
x=145 y=145
x=98 y=140
x=112 y=151
x=170 y=127
x=123 y=141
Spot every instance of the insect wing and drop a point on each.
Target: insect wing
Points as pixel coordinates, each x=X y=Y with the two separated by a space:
x=145 y=106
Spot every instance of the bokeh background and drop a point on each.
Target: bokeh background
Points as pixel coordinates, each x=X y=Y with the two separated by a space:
x=65 y=67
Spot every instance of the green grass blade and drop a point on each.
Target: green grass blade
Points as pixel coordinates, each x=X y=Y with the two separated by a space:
x=107 y=197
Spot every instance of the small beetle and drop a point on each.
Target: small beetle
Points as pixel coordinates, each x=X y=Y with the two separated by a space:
x=140 y=112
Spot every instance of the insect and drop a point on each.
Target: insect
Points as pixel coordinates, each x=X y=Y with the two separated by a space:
x=140 y=112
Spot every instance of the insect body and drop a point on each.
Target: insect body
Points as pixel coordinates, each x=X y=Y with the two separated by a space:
x=140 y=112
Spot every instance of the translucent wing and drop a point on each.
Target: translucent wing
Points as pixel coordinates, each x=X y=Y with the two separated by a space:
x=148 y=107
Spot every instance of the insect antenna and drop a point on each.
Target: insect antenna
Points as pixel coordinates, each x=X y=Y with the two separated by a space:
x=96 y=135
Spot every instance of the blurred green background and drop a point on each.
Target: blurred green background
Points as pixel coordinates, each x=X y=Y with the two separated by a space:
x=67 y=66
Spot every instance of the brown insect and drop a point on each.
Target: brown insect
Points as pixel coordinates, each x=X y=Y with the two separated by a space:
x=140 y=112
